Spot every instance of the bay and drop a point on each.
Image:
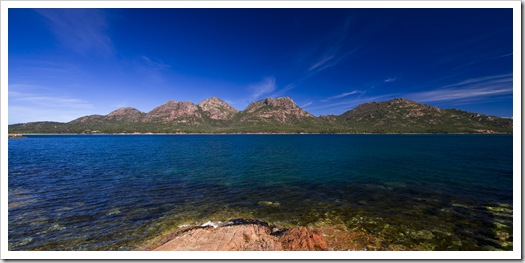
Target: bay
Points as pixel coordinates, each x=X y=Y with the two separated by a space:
x=113 y=192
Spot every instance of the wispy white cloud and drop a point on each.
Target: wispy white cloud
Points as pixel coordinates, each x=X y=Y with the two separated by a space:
x=330 y=58
x=468 y=90
x=348 y=104
x=330 y=51
x=82 y=30
x=483 y=59
x=154 y=64
x=37 y=103
x=460 y=93
x=49 y=101
x=265 y=87
x=151 y=68
x=391 y=80
x=322 y=61
x=482 y=80
x=307 y=104
x=342 y=95
x=333 y=50
x=44 y=69
x=22 y=114
x=16 y=88
x=282 y=92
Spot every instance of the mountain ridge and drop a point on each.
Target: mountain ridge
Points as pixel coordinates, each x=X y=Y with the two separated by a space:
x=276 y=115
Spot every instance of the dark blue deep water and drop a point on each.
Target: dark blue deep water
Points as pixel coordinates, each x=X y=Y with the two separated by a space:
x=113 y=192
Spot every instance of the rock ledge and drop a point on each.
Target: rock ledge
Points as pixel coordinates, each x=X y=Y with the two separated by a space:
x=242 y=235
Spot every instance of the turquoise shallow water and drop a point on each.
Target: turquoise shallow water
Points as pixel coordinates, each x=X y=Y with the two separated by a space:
x=111 y=192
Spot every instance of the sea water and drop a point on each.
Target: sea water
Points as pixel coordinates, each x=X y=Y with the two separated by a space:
x=113 y=192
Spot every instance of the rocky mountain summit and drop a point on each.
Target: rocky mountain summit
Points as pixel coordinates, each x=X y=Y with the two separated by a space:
x=393 y=109
x=282 y=110
x=277 y=115
x=174 y=111
x=90 y=119
x=120 y=114
x=402 y=115
x=217 y=109
x=126 y=114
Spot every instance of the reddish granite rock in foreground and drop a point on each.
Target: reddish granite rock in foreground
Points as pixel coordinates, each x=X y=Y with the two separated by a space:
x=248 y=236
x=254 y=235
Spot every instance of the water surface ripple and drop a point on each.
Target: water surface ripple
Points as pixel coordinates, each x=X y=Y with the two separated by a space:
x=112 y=192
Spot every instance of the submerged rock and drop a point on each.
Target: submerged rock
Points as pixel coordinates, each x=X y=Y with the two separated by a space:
x=501 y=209
x=269 y=203
x=421 y=234
x=395 y=185
x=114 y=211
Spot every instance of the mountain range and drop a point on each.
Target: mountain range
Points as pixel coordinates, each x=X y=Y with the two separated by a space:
x=276 y=115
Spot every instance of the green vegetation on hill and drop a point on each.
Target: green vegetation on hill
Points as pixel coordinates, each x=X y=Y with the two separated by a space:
x=279 y=115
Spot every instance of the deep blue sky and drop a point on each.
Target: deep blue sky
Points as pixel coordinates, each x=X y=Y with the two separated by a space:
x=67 y=63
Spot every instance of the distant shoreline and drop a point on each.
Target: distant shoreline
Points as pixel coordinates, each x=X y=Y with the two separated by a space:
x=16 y=136
x=252 y=133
